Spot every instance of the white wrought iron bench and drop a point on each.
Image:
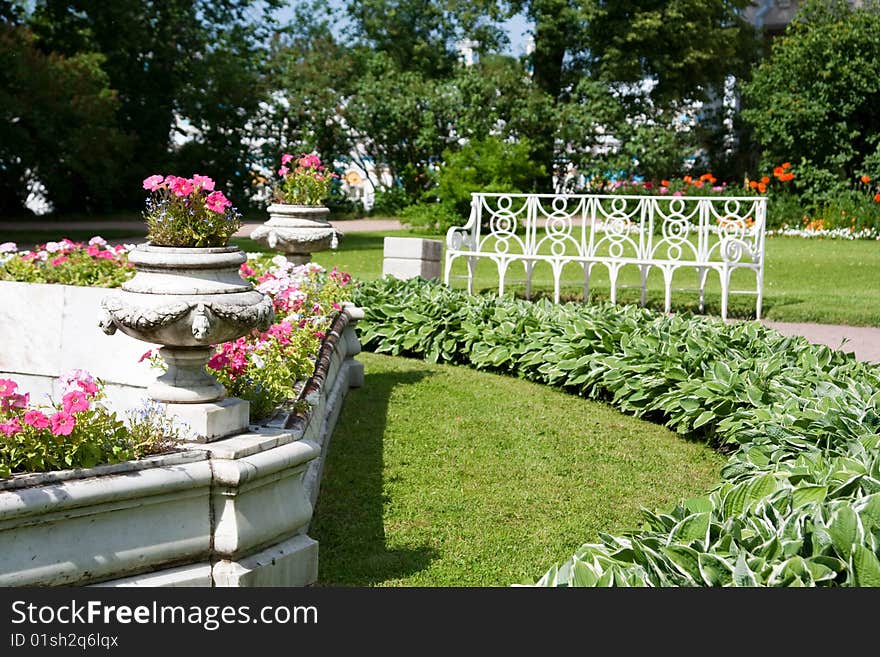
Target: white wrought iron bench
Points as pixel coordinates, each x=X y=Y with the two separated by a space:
x=708 y=234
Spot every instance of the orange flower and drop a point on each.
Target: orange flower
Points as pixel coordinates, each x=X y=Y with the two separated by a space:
x=687 y=180
x=877 y=198
x=866 y=179
x=698 y=183
x=753 y=184
x=762 y=187
x=786 y=165
x=765 y=180
x=778 y=171
x=708 y=177
x=664 y=183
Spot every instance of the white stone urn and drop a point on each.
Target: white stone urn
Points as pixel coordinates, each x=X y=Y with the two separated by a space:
x=297 y=231
x=186 y=299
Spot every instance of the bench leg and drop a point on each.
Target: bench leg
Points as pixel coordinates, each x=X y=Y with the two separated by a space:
x=588 y=269
x=472 y=271
x=643 y=299
x=613 y=270
x=529 y=266
x=725 y=288
x=702 y=272
x=759 y=301
x=667 y=283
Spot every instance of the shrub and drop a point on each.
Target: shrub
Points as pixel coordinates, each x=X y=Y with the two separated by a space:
x=389 y=201
x=799 y=503
x=432 y=217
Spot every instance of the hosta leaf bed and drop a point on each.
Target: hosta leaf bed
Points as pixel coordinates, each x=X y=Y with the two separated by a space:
x=799 y=501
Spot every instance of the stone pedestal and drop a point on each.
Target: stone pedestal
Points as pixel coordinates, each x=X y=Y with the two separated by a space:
x=411 y=257
x=213 y=420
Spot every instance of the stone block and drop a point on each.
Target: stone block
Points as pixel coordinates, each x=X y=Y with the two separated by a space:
x=404 y=268
x=413 y=248
x=182 y=576
x=293 y=562
x=213 y=420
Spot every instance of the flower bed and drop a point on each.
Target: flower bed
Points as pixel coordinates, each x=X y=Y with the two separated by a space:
x=233 y=512
x=799 y=503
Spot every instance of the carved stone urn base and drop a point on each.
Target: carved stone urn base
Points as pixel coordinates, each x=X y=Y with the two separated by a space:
x=186 y=381
x=297 y=231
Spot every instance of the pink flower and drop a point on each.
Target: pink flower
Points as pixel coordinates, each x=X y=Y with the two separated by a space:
x=8 y=247
x=36 y=419
x=677 y=194
x=75 y=401
x=310 y=161
x=97 y=239
x=62 y=424
x=7 y=387
x=203 y=182
x=283 y=171
x=17 y=401
x=60 y=260
x=218 y=361
x=106 y=255
x=153 y=182
x=287 y=157
x=245 y=270
x=93 y=250
x=217 y=202
x=147 y=355
x=182 y=187
x=11 y=427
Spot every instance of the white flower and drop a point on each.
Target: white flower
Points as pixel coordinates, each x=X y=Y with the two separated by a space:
x=8 y=247
x=279 y=261
x=258 y=361
x=53 y=247
x=43 y=255
x=97 y=239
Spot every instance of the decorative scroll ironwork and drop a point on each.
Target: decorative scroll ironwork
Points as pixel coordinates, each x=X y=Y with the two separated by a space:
x=708 y=234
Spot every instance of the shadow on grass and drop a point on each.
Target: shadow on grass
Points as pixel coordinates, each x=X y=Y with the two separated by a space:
x=348 y=520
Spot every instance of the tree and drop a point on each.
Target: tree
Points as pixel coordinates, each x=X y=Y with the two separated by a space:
x=816 y=100
x=41 y=98
x=170 y=61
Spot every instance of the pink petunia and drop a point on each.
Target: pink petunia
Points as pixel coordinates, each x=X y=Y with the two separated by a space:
x=218 y=361
x=11 y=427
x=36 y=419
x=16 y=401
x=60 y=260
x=217 y=202
x=8 y=247
x=62 y=424
x=106 y=255
x=283 y=171
x=287 y=157
x=97 y=239
x=182 y=187
x=153 y=182
x=203 y=182
x=75 y=401
x=7 y=387
x=245 y=270
x=147 y=355
x=93 y=250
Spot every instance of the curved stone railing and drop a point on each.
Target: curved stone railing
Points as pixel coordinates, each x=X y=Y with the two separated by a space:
x=718 y=234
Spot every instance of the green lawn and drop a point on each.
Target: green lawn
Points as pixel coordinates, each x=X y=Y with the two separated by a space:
x=825 y=281
x=443 y=476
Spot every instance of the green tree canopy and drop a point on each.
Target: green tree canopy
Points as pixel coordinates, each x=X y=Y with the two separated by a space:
x=816 y=100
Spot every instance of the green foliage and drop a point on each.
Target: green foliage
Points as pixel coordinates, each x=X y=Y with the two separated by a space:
x=815 y=100
x=41 y=97
x=799 y=498
x=432 y=218
x=182 y=213
x=390 y=201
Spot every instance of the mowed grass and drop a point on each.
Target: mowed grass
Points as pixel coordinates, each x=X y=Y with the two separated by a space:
x=806 y=280
x=444 y=476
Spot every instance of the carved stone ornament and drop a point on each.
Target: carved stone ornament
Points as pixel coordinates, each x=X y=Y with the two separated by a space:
x=297 y=231
x=186 y=299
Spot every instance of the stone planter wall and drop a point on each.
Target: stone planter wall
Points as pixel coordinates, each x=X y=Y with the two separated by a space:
x=47 y=330
x=234 y=512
